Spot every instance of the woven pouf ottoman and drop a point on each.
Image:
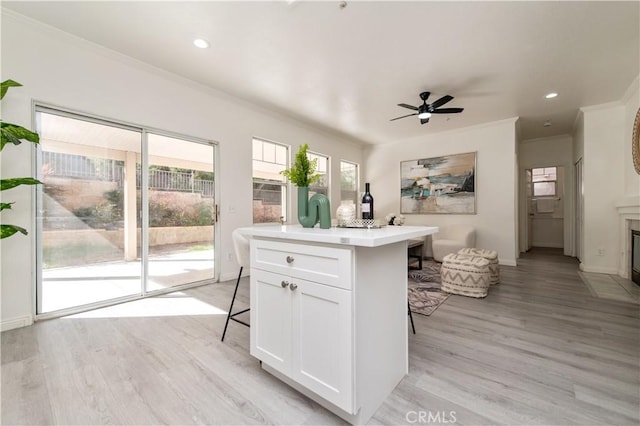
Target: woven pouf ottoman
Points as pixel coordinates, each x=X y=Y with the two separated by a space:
x=465 y=275
x=491 y=256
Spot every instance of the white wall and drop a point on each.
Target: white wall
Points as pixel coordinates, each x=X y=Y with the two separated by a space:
x=555 y=151
x=62 y=70
x=631 y=105
x=604 y=170
x=628 y=207
x=496 y=188
x=578 y=138
x=602 y=137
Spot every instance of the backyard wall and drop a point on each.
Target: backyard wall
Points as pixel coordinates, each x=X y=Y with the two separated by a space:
x=115 y=238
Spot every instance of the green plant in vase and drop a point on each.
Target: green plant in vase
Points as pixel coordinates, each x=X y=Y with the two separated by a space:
x=14 y=134
x=302 y=174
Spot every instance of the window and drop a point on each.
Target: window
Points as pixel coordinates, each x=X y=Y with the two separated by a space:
x=269 y=185
x=322 y=185
x=545 y=182
x=349 y=182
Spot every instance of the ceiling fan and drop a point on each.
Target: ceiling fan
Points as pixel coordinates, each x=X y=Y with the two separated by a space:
x=425 y=110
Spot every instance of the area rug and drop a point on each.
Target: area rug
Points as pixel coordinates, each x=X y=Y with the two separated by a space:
x=424 y=290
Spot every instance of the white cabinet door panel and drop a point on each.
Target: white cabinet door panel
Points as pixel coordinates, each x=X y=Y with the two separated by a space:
x=323 y=341
x=270 y=320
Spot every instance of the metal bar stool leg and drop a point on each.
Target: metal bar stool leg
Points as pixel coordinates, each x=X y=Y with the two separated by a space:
x=410 y=317
x=231 y=307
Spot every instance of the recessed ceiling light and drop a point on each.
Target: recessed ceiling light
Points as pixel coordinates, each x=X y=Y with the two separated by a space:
x=551 y=95
x=201 y=43
x=547 y=123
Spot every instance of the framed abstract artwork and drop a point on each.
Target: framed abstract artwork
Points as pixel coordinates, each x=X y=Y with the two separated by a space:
x=439 y=185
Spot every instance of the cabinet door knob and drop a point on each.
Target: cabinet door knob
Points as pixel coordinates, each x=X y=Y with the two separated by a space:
x=293 y=286
x=284 y=284
x=290 y=259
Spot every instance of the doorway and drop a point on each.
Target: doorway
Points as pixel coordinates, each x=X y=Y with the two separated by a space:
x=545 y=207
x=124 y=212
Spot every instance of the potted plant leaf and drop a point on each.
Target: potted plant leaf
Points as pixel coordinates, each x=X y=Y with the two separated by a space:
x=302 y=174
x=13 y=134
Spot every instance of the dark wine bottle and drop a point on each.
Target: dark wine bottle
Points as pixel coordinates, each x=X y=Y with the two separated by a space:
x=367 y=203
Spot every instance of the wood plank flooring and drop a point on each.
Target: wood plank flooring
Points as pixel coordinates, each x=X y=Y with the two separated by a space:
x=540 y=349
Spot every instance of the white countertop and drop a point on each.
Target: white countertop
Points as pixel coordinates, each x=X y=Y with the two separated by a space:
x=345 y=236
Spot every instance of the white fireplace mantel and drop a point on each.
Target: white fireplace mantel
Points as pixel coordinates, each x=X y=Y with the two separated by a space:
x=629 y=213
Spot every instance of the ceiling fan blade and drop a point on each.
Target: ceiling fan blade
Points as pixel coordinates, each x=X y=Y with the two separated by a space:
x=447 y=110
x=424 y=120
x=408 y=106
x=443 y=100
x=404 y=116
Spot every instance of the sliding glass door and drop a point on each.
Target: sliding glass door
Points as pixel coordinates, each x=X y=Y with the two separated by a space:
x=122 y=212
x=182 y=212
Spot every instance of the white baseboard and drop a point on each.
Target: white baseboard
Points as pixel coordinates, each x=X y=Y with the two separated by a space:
x=507 y=262
x=598 y=269
x=10 y=324
x=624 y=274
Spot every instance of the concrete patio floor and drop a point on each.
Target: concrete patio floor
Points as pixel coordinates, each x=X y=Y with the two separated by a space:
x=68 y=287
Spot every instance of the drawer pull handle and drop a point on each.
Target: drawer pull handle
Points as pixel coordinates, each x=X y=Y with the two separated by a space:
x=290 y=259
x=284 y=284
x=293 y=286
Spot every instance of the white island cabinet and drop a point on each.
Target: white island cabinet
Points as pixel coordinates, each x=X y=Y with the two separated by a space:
x=329 y=311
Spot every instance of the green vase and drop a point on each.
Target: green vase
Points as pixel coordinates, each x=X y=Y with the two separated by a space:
x=313 y=211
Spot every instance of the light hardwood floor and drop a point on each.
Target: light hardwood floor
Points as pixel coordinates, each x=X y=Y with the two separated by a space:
x=540 y=349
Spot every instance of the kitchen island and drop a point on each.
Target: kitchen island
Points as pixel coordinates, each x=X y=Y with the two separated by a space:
x=329 y=311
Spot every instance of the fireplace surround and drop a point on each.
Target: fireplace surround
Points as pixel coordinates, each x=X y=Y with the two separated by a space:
x=629 y=221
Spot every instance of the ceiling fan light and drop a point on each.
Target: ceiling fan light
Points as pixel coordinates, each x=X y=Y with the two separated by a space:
x=424 y=115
